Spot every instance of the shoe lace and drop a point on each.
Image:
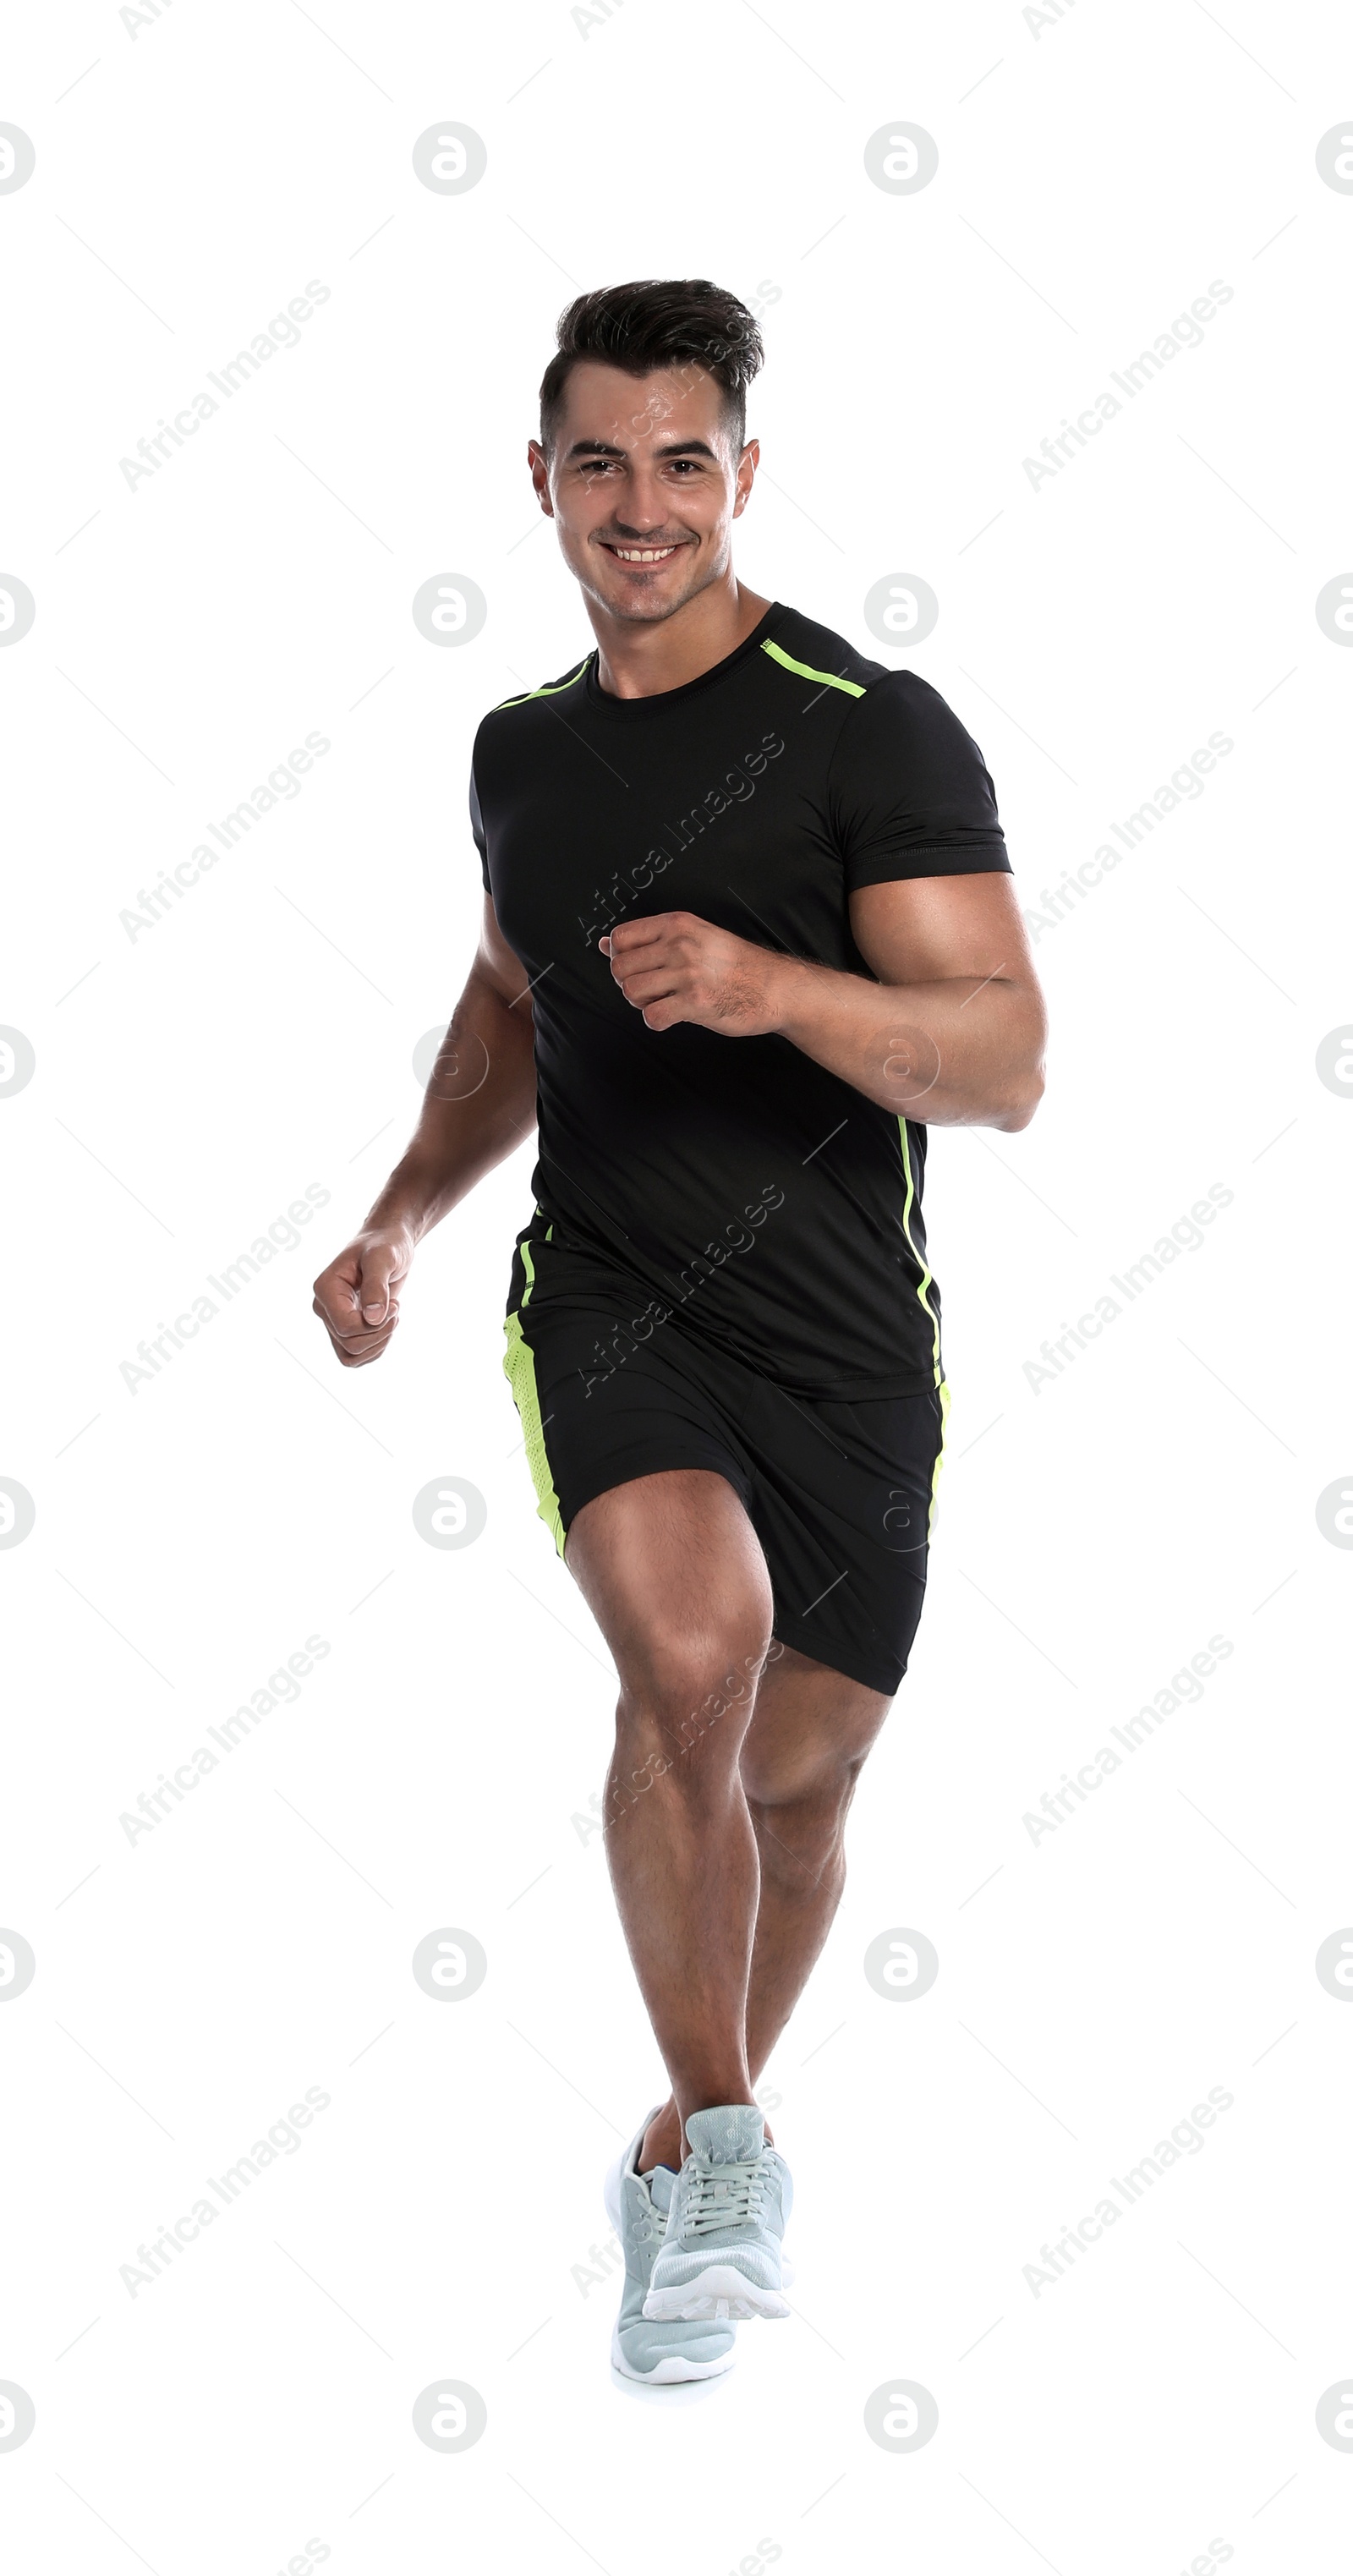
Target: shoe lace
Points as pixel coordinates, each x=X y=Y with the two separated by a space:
x=723 y=2196
x=651 y=2219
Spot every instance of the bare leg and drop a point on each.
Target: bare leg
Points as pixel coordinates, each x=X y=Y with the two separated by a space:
x=673 y=1572
x=800 y=1760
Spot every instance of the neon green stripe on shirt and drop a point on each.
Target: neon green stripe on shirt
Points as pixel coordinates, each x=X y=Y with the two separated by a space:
x=552 y=689
x=927 y=1275
x=805 y=671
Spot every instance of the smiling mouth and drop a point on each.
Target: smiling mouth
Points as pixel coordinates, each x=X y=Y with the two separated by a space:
x=638 y=554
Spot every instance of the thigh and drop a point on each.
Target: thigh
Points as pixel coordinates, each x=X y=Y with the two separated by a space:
x=631 y=1432
x=674 y=1575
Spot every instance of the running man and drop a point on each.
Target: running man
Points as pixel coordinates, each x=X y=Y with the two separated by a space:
x=748 y=920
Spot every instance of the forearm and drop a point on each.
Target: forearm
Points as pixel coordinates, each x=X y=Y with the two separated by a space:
x=964 y=1051
x=479 y=1105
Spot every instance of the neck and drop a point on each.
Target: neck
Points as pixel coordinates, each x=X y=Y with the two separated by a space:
x=638 y=661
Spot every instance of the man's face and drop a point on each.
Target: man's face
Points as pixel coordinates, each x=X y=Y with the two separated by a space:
x=644 y=484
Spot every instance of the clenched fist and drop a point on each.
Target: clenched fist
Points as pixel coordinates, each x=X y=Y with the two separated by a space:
x=357 y=1297
x=674 y=966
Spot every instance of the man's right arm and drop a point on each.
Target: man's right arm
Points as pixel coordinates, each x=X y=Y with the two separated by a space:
x=479 y=1104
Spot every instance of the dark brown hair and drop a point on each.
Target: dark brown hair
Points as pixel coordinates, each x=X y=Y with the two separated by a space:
x=656 y=322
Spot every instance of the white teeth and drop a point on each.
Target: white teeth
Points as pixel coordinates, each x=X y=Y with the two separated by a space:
x=645 y=554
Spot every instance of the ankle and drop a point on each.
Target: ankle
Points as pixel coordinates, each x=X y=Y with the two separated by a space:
x=662 y=2141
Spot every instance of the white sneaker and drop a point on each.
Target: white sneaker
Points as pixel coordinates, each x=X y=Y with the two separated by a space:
x=637 y=2206
x=721 y=2256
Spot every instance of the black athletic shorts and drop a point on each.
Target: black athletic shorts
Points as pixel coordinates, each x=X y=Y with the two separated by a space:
x=841 y=1495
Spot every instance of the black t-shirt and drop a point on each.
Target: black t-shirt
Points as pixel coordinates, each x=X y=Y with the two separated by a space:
x=731 y=1180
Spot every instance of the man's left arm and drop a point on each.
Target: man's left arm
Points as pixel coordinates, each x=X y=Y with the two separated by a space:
x=952 y=1033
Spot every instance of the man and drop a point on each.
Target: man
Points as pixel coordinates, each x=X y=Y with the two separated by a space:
x=748 y=917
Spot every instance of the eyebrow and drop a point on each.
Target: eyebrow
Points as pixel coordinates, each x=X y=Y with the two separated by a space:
x=677 y=447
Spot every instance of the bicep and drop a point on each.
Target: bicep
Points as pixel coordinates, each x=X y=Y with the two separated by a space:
x=923 y=930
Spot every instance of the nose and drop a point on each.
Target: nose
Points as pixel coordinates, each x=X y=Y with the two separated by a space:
x=645 y=506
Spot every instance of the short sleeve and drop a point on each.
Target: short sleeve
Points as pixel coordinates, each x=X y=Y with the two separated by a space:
x=477 y=827
x=908 y=793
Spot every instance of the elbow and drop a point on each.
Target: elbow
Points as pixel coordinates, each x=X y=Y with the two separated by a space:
x=1021 y=1099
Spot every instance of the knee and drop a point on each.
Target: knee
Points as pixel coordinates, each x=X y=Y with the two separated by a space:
x=800 y=1826
x=692 y=1696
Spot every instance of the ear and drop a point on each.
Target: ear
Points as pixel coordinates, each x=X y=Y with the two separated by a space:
x=746 y=476
x=540 y=475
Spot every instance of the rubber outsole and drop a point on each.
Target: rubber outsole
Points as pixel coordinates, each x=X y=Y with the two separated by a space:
x=720 y=2291
x=671 y=2368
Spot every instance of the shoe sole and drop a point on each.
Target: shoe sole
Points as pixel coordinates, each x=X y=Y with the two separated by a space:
x=670 y=2369
x=721 y=2292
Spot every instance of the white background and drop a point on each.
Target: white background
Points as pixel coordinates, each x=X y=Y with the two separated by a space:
x=443 y=2215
